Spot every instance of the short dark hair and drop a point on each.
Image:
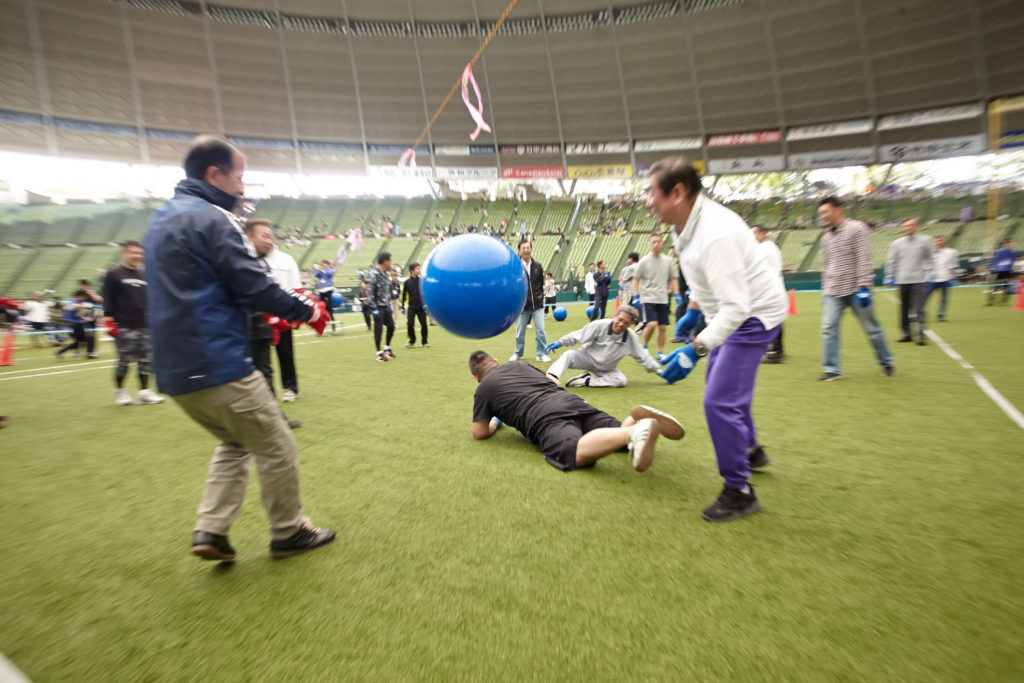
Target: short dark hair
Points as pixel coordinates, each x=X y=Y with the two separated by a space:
x=250 y=225
x=477 y=360
x=206 y=151
x=80 y=292
x=672 y=171
x=633 y=255
x=833 y=200
x=83 y=282
x=522 y=242
x=383 y=256
x=413 y=265
x=130 y=243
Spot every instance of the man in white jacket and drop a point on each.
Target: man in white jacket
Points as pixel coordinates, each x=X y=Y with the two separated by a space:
x=603 y=344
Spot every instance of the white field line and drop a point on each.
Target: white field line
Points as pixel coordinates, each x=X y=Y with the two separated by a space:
x=61 y=372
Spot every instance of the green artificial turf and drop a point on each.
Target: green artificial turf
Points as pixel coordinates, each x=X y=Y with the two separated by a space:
x=890 y=545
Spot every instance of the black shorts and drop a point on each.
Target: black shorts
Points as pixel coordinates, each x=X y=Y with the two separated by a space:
x=557 y=434
x=656 y=313
x=1003 y=275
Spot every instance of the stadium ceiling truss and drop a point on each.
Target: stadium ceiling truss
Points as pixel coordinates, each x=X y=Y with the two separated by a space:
x=603 y=86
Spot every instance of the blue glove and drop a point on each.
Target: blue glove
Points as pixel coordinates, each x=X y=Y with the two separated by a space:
x=401 y=309
x=635 y=301
x=889 y=281
x=552 y=347
x=375 y=313
x=863 y=297
x=686 y=324
x=679 y=364
x=678 y=298
x=496 y=422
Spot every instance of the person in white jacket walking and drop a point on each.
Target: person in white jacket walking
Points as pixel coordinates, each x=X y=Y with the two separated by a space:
x=603 y=344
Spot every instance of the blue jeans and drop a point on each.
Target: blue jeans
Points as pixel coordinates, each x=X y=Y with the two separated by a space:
x=833 y=311
x=944 y=286
x=536 y=316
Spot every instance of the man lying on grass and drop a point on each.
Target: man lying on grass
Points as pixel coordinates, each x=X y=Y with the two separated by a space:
x=570 y=432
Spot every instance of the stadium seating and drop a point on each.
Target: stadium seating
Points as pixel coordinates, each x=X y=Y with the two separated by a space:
x=557 y=217
x=412 y=216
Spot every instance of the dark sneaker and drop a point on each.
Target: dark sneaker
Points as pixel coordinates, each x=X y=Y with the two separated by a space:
x=921 y=341
x=388 y=352
x=212 y=547
x=830 y=376
x=294 y=424
x=904 y=338
x=667 y=425
x=307 y=538
x=579 y=380
x=759 y=459
x=888 y=371
x=732 y=504
x=381 y=357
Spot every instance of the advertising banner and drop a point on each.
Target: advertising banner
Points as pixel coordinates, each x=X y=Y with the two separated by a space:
x=747 y=165
x=924 y=118
x=601 y=171
x=753 y=137
x=668 y=145
x=597 y=148
x=343 y=147
x=861 y=156
x=545 y=149
x=829 y=130
x=391 y=171
x=513 y=172
x=465 y=172
x=933 y=149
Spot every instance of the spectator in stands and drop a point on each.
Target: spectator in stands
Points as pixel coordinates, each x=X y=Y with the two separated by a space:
x=602 y=280
x=653 y=280
x=550 y=292
x=909 y=266
x=603 y=345
x=775 y=353
x=201 y=274
x=37 y=314
x=944 y=266
x=124 y=292
x=588 y=283
x=1000 y=271
x=533 y=308
x=412 y=301
x=847 y=277
x=325 y=288
x=285 y=272
x=570 y=433
x=378 y=298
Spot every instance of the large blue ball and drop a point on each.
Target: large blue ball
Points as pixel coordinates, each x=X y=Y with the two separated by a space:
x=560 y=313
x=337 y=299
x=590 y=311
x=474 y=285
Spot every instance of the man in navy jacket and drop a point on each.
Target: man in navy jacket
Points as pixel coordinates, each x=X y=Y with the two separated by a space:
x=203 y=276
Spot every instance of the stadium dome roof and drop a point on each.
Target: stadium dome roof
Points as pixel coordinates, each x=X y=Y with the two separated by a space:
x=347 y=84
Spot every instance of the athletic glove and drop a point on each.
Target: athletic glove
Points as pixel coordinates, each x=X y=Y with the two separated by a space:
x=319 y=318
x=679 y=364
x=863 y=297
x=678 y=298
x=375 y=312
x=112 y=329
x=553 y=346
x=496 y=422
x=686 y=324
x=635 y=301
x=401 y=309
x=277 y=326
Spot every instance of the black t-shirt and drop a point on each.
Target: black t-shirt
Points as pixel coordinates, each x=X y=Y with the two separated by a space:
x=519 y=395
x=124 y=297
x=411 y=290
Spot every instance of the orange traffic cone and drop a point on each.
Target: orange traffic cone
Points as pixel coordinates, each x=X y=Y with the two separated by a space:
x=7 y=352
x=1019 y=305
x=792 y=302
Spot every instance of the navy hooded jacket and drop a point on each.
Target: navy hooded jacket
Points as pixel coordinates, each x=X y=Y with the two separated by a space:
x=202 y=276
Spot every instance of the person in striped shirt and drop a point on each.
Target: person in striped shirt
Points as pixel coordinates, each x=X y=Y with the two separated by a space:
x=846 y=279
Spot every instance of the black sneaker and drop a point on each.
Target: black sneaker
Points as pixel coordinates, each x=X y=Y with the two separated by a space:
x=921 y=341
x=307 y=538
x=388 y=352
x=212 y=547
x=888 y=371
x=732 y=504
x=829 y=376
x=759 y=459
x=904 y=338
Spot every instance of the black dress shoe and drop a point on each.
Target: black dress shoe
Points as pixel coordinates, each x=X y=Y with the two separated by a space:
x=307 y=538
x=212 y=547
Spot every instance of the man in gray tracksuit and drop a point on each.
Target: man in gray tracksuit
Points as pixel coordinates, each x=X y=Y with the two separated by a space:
x=909 y=265
x=604 y=344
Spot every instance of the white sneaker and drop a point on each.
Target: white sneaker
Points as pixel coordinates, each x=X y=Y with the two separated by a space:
x=147 y=397
x=667 y=425
x=121 y=398
x=543 y=358
x=514 y=357
x=642 y=438
x=288 y=396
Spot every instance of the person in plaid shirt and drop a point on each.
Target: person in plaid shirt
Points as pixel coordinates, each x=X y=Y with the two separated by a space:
x=847 y=277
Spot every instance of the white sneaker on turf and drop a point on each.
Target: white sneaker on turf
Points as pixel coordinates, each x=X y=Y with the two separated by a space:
x=667 y=425
x=147 y=397
x=543 y=358
x=642 y=438
x=514 y=357
x=121 y=398
x=288 y=396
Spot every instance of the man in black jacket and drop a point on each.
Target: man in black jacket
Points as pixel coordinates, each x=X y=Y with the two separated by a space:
x=415 y=310
x=533 y=309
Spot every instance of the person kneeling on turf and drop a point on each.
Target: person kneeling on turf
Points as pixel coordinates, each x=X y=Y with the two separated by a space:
x=604 y=344
x=570 y=433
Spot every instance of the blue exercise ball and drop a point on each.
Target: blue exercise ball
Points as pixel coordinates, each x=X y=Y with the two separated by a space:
x=590 y=312
x=337 y=299
x=474 y=285
x=560 y=313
